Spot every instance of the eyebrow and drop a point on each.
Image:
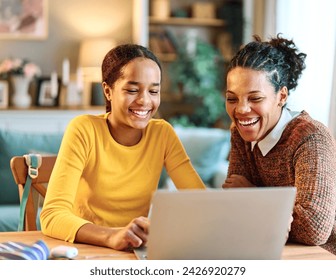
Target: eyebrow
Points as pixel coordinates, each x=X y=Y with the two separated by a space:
x=136 y=83
x=250 y=92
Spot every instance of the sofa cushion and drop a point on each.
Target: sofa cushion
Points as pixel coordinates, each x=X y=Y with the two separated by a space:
x=16 y=143
x=206 y=147
x=9 y=217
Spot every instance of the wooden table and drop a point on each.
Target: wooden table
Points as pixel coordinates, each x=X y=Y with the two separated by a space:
x=85 y=251
x=290 y=252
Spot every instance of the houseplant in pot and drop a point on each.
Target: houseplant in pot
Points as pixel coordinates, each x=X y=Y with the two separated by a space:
x=198 y=74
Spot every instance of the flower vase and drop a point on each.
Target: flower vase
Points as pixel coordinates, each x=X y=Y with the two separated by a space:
x=21 y=97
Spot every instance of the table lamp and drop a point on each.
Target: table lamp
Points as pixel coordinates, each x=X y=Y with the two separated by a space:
x=91 y=55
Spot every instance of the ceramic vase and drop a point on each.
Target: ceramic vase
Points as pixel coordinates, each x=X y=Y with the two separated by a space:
x=21 y=97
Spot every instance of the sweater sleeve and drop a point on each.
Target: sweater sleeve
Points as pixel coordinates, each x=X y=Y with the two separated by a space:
x=57 y=218
x=179 y=166
x=315 y=177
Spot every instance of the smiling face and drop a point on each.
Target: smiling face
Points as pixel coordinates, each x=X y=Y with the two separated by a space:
x=135 y=96
x=252 y=103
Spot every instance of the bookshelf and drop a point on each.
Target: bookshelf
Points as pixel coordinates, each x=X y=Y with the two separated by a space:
x=188 y=21
x=166 y=24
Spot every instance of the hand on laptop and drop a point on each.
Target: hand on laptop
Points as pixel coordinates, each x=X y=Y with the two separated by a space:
x=289 y=227
x=237 y=181
x=133 y=235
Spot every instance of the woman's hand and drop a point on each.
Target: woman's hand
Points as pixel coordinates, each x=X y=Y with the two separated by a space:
x=237 y=181
x=289 y=226
x=134 y=234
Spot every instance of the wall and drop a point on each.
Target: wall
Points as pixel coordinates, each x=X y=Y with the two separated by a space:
x=312 y=25
x=70 y=21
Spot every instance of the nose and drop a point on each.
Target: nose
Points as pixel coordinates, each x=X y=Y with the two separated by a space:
x=144 y=98
x=243 y=107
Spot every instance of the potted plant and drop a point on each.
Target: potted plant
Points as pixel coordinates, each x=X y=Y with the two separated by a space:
x=198 y=74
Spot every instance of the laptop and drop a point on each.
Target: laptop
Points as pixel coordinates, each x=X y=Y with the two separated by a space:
x=225 y=224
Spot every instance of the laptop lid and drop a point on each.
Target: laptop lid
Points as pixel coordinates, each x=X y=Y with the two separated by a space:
x=240 y=223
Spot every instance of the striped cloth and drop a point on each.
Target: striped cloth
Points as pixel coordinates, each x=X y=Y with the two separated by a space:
x=20 y=251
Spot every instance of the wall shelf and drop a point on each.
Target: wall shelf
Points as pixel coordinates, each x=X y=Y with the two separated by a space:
x=209 y=22
x=43 y=119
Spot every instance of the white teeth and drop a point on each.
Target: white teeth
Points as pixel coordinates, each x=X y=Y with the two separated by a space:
x=248 y=122
x=140 y=113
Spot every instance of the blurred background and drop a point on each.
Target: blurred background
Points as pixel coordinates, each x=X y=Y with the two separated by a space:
x=72 y=36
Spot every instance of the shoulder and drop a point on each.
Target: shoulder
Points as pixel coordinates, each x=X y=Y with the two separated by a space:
x=86 y=119
x=304 y=127
x=159 y=126
x=304 y=124
x=85 y=124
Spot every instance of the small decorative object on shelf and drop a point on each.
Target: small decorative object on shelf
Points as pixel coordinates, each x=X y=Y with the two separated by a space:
x=3 y=94
x=203 y=10
x=160 y=8
x=20 y=73
x=48 y=91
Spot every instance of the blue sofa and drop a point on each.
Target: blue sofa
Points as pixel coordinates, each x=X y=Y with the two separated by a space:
x=207 y=148
x=13 y=143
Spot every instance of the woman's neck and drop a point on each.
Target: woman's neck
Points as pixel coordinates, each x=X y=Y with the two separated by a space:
x=124 y=135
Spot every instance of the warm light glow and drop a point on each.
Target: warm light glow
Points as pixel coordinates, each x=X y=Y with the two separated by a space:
x=91 y=55
x=93 y=51
x=93 y=20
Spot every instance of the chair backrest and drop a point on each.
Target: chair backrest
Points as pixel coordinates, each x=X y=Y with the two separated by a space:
x=38 y=187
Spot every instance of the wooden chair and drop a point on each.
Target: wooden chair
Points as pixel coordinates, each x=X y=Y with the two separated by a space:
x=38 y=187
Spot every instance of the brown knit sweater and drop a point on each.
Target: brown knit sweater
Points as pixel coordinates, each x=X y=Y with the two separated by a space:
x=304 y=157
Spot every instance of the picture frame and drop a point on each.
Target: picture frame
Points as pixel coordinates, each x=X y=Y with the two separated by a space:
x=4 y=100
x=24 y=19
x=44 y=96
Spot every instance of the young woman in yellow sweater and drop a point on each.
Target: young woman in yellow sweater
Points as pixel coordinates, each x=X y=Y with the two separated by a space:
x=109 y=165
x=273 y=146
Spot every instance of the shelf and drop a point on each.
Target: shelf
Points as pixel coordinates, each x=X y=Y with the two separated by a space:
x=188 y=21
x=166 y=57
x=56 y=108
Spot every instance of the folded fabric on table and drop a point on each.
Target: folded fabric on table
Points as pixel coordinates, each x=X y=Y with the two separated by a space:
x=20 y=251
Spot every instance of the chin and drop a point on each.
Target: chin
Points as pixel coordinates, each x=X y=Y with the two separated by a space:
x=248 y=137
x=139 y=124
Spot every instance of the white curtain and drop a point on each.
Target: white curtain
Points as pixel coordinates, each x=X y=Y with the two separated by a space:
x=332 y=115
x=312 y=25
x=259 y=18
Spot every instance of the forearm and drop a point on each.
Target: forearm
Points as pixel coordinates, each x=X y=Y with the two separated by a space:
x=311 y=227
x=186 y=177
x=315 y=205
x=132 y=235
x=95 y=235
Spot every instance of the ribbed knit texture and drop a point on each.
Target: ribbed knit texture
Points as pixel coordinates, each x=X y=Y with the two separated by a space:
x=304 y=157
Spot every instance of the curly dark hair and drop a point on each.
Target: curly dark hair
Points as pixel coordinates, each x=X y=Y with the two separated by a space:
x=117 y=58
x=278 y=57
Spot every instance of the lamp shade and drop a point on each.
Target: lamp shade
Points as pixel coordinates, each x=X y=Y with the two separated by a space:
x=93 y=51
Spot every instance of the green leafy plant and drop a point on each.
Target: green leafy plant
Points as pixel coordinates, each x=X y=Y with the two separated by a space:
x=198 y=73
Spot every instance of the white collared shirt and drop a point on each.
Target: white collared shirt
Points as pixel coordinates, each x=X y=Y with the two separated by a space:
x=266 y=144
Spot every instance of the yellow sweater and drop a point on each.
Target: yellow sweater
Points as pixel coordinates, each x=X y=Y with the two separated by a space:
x=96 y=180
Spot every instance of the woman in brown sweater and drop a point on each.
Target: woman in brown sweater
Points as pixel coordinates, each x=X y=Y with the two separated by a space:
x=273 y=146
